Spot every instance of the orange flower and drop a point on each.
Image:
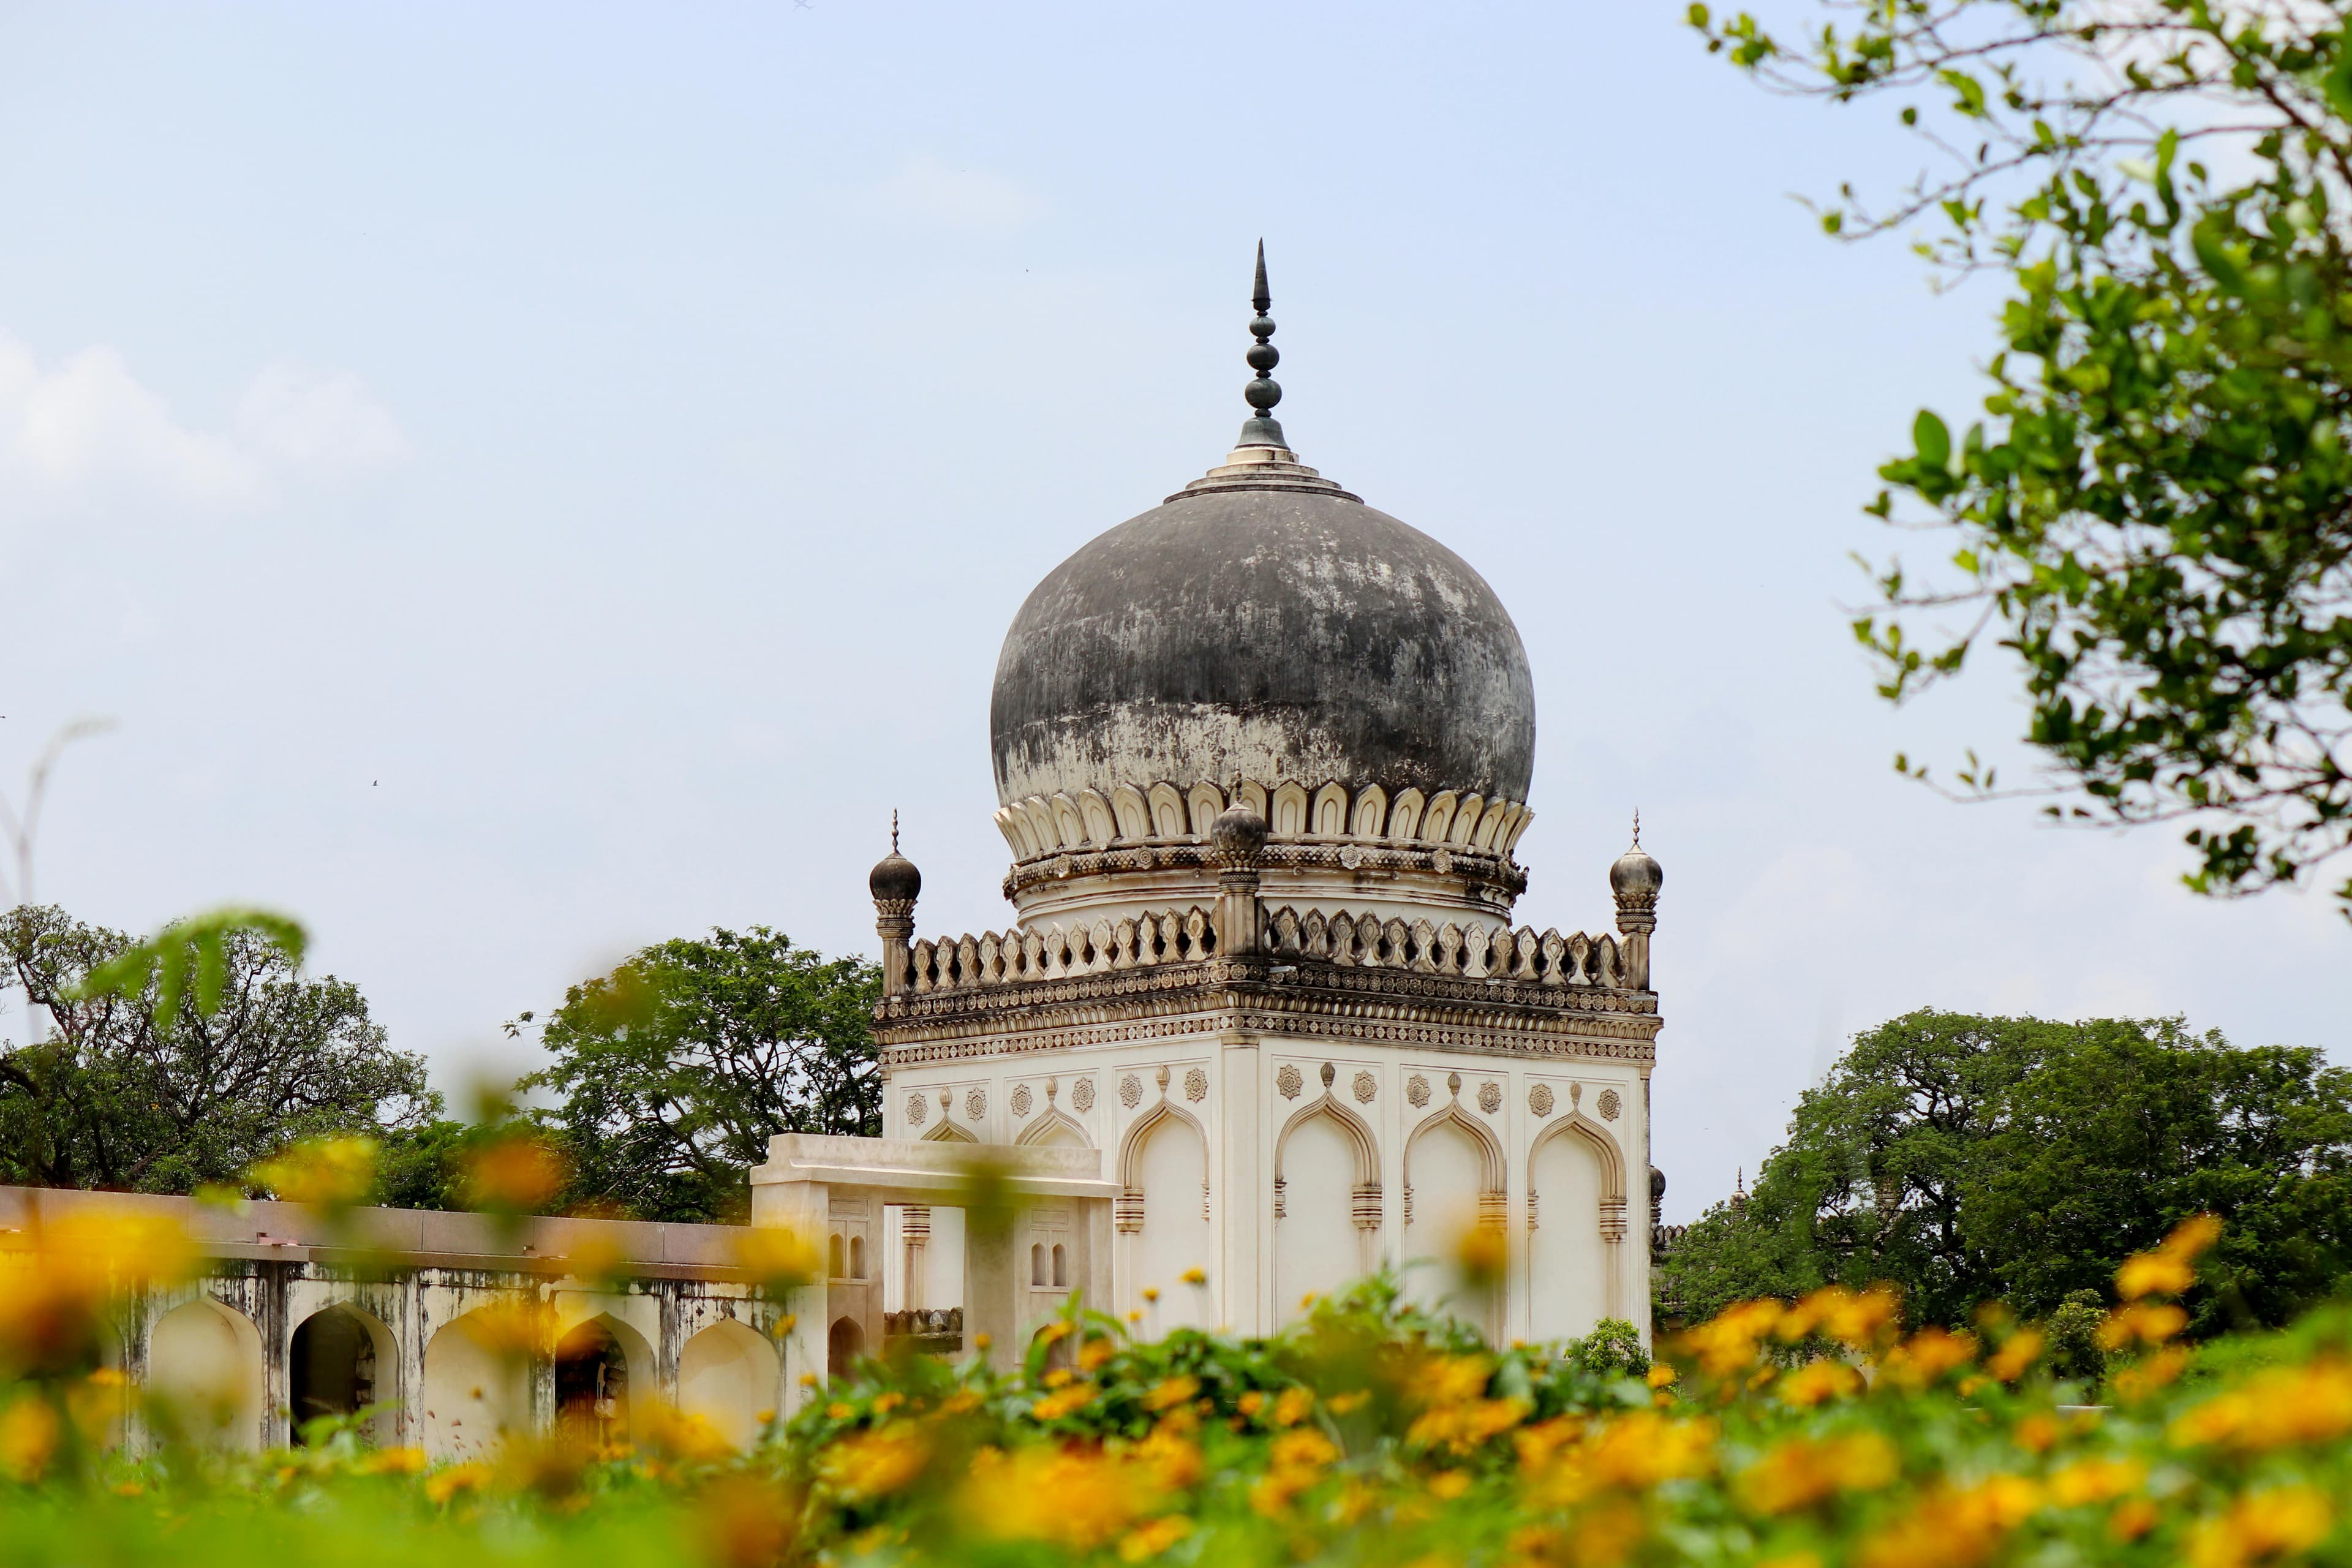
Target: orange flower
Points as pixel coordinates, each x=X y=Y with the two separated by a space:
x=1952 y=1529
x=1054 y=1406
x=1727 y=1344
x=1291 y=1406
x=29 y=1430
x=2261 y=1526
x=2274 y=1409
x=2095 y=1480
x=2136 y=1382
x=2016 y=1356
x=1803 y=1471
x=1170 y=1391
x=2151 y=1323
x=875 y=1463
x=1152 y=1539
x=516 y=1174
x=330 y=1173
x=1816 y=1381
x=2171 y=1268
x=777 y=1257
x=1923 y=1358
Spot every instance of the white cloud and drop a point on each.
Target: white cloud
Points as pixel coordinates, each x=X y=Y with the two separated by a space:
x=87 y=430
x=929 y=192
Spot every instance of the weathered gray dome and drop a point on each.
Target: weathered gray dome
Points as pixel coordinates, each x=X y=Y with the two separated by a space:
x=1282 y=632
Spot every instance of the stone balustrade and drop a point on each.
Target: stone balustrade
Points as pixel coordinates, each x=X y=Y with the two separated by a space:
x=993 y=958
x=1471 y=953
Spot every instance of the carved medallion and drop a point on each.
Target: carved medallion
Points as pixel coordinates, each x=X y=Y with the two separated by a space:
x=1441 y=862
x=1289 y=1080
x=917 y=1109
x=1417 y=1090
x=1490 y=1096
x=1061 y=866
x=1610 y=1105
x=1021 y=1101
x=975 y=1104
x=1539 y=1100
x=1082 y=1095
x=1366 y=1086
x=1196 y=1084
x=1351 y=857
x=1130 y=1090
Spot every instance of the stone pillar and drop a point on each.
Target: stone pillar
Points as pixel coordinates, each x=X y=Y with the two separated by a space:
x=804 y=1208
x=992 y=1282
x=1237 y=838
x=896 y=885
x=1245 y=1263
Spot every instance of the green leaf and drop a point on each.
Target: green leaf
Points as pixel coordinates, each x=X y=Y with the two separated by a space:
x=1932 y=439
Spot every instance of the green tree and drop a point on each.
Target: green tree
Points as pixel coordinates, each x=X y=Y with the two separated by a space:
x=673 y=1072
x=1972 y=1158
x=181 y=1061
x=2151 y=515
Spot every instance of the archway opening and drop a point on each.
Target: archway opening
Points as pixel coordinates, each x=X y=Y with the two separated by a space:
x=592 y=1385
x=843 y=1344
x=203 y=1367
x=727 y=1374
x=332 y=1369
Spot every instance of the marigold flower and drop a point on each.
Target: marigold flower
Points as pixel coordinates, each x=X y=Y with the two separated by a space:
x=1069 y=1401
x=1292 y=1405
x=1076 y=1498
x=1816 y=1381
x=1170 y=1392
x=2016 y=1356
x=1449 y=1484
x=2141 y=1379
x=2261 y=1526
x=1153 y=1537
x=443 y=1485
x=2037 y=1432
x=1803 y=1471
x=1727 y=1344
x=2095 y=1480
x=874 y=1463
x=29 y=1430
x=2274 y=1409
x=1250 y=1403
x=1923 y=1358
x=2151 y=1323
x=1952 y=1529
x=1661 y=1375
x=1635 y=1452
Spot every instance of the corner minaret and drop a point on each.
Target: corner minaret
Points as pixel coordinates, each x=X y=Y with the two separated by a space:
x=896 y=884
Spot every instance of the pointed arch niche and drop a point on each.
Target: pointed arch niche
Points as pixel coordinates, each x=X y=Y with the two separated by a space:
x=1058 y=1129
x=1454 y=1178
x=1327 y=1204
x=1576 y=1228
x=1162 y=1215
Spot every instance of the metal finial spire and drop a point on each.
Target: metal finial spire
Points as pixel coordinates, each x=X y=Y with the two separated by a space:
x=894 y=830
x=1263 y=392
x=1637 y=827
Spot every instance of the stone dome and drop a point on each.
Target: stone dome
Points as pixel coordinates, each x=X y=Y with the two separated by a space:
x=1266 y=623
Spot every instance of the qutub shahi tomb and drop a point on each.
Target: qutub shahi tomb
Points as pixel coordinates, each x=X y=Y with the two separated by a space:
x=1262 y=1022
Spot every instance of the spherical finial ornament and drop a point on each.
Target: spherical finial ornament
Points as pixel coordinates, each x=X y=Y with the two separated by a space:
x=894 y=880
x=1636 y=878
x=1263 y=392
x=1238 y=834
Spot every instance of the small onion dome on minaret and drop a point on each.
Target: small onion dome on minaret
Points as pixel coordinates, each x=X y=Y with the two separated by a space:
x=1635 y=878
x=894 y=880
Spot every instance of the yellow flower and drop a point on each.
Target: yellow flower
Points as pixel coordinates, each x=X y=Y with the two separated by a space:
x=1291 y=1406
x=1075 y=1498
x=1171 y=1391
x=1250 y=1403
x=396 y=1462
x=1952 y=1529
x=1095 y=1354
x=2171 y=1268
x=1341 y=1403
x=777 y=1257
x=2016 y=1356
x=2136 y=1382
x=1661 y=1375
x=2274 y=1409
x=1194 y=1277
x=1054 y=1406
x=746 y=1523
x=1151 y=1292
x=1633 y=1453
x=1449 y=1484
x=2261 y=1526
x=2133 y=1518
x=29 y=1438
x=2095 y=1480
x=1803 y=1471
x=1919 y=1361
x=874 y=1463
x=1816 y=1381
x=443 y=1485
x=1152 y=1539
x=330 y=1173
x=1861 y=1320
x=518 y=1174
x=2037 y=1432
x=1727 y=1344
x=2151 y=1323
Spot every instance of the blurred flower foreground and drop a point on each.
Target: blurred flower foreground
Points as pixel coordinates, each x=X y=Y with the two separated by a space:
x=1801 y=1434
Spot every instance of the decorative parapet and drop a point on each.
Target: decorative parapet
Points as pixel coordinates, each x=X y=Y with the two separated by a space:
x=1472 y=953
x=993 y=958
x=1042 y=826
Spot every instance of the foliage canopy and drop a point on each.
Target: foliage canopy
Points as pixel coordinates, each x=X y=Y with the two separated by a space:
x=2151 y=516
x=1971 y=1159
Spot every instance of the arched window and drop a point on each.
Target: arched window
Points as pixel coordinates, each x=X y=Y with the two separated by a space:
x=1061 y=1267
x=1037 y=1263
x=857 y=1258
x=843 y=1342
x=832 y=1264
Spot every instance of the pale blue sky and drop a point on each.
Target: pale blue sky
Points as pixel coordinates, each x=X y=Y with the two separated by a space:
x=532 y=481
